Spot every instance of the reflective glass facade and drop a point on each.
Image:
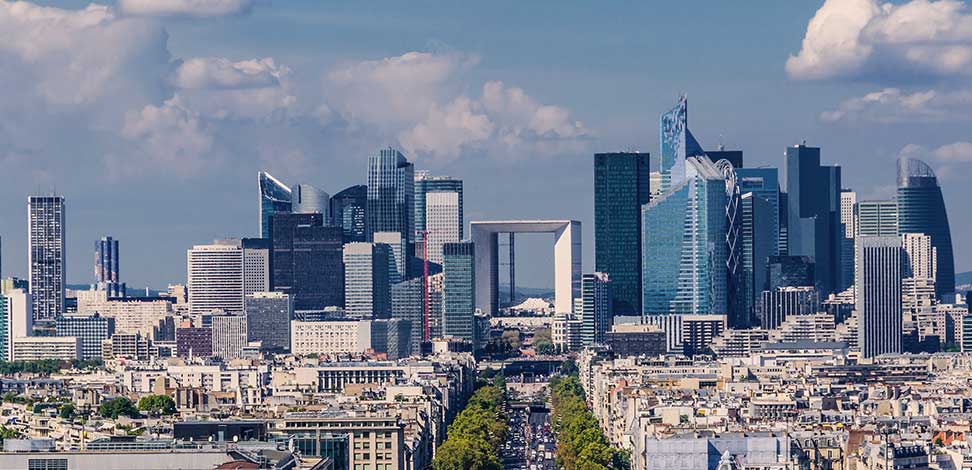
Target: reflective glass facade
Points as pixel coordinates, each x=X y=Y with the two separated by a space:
x=424 y=183
x=306 y=260
x=348 y=209
x=677 y=144
x=459 y=291
x=391 y=197
x=684 y=245
x=621 y=187
x=921 y=209
x=275 y=197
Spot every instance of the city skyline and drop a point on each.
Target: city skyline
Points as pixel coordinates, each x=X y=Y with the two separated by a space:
x=838 y=109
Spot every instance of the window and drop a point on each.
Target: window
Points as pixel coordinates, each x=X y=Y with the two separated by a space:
x=47 y=464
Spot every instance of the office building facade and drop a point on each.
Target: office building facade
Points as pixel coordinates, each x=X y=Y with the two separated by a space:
x=442 y=222
x=425 y=184
x=596 y=308
x=921 y=209
x=46 y=255
x=229 y=335
x=268 y=316
x=91 y=331
x=367 y=291
x=307 y=260
x=459 y=291
x=308 y=199
x=782 y=302
x=220 y=275
x=677 y=145
x=391 y=197
x=17 y=320
x=813 y=213
x=920 y=256
x=106 y=267
x=621 y=187
x=348 y=209
x=878 y=287
x=876 y=218
x=275 y=198
x=684 y=249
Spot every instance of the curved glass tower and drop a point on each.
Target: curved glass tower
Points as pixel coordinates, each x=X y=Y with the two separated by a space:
x=308 y=199
x=274 y=197
x=921 y=209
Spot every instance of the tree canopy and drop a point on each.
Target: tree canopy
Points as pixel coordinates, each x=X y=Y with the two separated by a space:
x=116 y=407
x=477 y=433
x=581 y=444
x=157 y=405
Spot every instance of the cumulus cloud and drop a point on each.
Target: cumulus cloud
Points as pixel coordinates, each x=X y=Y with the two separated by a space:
x=951 y=161
x=862 y=39
x=186 y=8
x=221 y=73
x=220 y=88
x=171 y=136
x=420 y=97
x=891 y=105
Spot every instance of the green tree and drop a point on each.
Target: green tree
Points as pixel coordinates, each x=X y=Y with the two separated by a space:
x=157 y=405
x=67 y=411
x=463 y=453
x=116 y=407
x=8 y=433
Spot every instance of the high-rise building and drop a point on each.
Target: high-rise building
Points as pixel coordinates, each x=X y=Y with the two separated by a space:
x=677 y=144
x=596 y=310
x=782 y=302
x=459 y=291
x=221 y=274
x=876 y=218
x=813 y=226
x=367 y=292
x=425 y=184
x=90 y=331
x=308 y=199
x=737 y=312
x=46 y=257
x=684 y=250
x=391 y=198
x=921 y=209
x=306 y=258
x=758 y=243
x=732 y=156
x=229 y=335
x=275 y=198
x=196 y=341
x=106 y=267
x=848 y=200
x=621 y=187
x=17 y=320
x=920 y=256
x=268 y=316
x=442 y=221
x=348 y=209
x=790 y=271
x=396 y=262
x=408 y=303
x=765 y=184
x=878 y=287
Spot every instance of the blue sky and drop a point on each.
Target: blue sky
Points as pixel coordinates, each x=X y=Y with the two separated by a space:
x=153 y=116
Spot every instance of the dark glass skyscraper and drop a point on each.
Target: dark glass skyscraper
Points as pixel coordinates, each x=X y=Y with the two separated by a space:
x=921 y=209
x=732 y=156
x=275 y=198
x=459 y=291
x=306 y=260
x=813 y=212
x=620 y=189
x=391 y=197
x=348 y=209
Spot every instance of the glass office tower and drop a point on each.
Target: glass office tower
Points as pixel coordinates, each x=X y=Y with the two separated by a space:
x=306 y=257
x=684 y=249
x=621 y=187
x=391 y=198
x=348 y=209
x=677 y=144
x=459 y=291
x=921 y=209
x=426 y=183
x=275 y=197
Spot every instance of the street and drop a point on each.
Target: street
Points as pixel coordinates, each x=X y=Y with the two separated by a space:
x=530 y=443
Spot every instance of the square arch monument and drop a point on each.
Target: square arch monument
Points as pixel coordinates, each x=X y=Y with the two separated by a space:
x=567 y=259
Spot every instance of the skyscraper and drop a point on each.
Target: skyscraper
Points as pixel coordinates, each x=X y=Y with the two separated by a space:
x=684 y=245
x=596 y=312
x=408 y=303
x=106 y=267
x=876 y=218
x=765 y=184
x=391 y=197
x=732 y=156
x=46 y=257
x=306 y=260
x=229 y=335
x=221 y=274
x=89 y=330
x=848 y=200
x=17 y=320
x=621 y=187
x=307 y=200
x=758 y=242
x=921 y=209
x=878 y=287
x=920 y=256
x=367 y=292
x=778 y=304
x=737 y=308
x=426 y=183
x=790 y=271
x=396 y=262
x=443 y=220
x=268 y=316
x=677 y=144
x=459 y=291
x=348 y=209
x=813 y=226
x=275 y=198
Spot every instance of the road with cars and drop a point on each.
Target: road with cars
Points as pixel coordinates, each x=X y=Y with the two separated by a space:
x=530 y=443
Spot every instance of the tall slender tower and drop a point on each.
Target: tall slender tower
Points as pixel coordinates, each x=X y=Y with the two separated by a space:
x=878 y=287
x=921 y=209
x=46 y=259
x=391 y=198
x=275 y=197
x=621 y=187
x=106 y=267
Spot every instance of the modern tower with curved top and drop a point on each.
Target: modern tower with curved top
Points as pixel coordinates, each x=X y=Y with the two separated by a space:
x=921 y=209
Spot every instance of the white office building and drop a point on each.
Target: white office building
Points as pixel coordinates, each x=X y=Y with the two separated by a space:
x=222 y=274
x=878 y=286
x=18 y=319
x=441 y=221
x=46 y=257
x=229 y=335
x=367 y=291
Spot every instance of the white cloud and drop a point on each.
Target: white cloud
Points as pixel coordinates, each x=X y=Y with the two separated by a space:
x=950 y=161
x=170 y=137
x=895 y=105
x=855 y=39
x=186 y=8
x=447 y=130
x=221 y=73
x=249 y=89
